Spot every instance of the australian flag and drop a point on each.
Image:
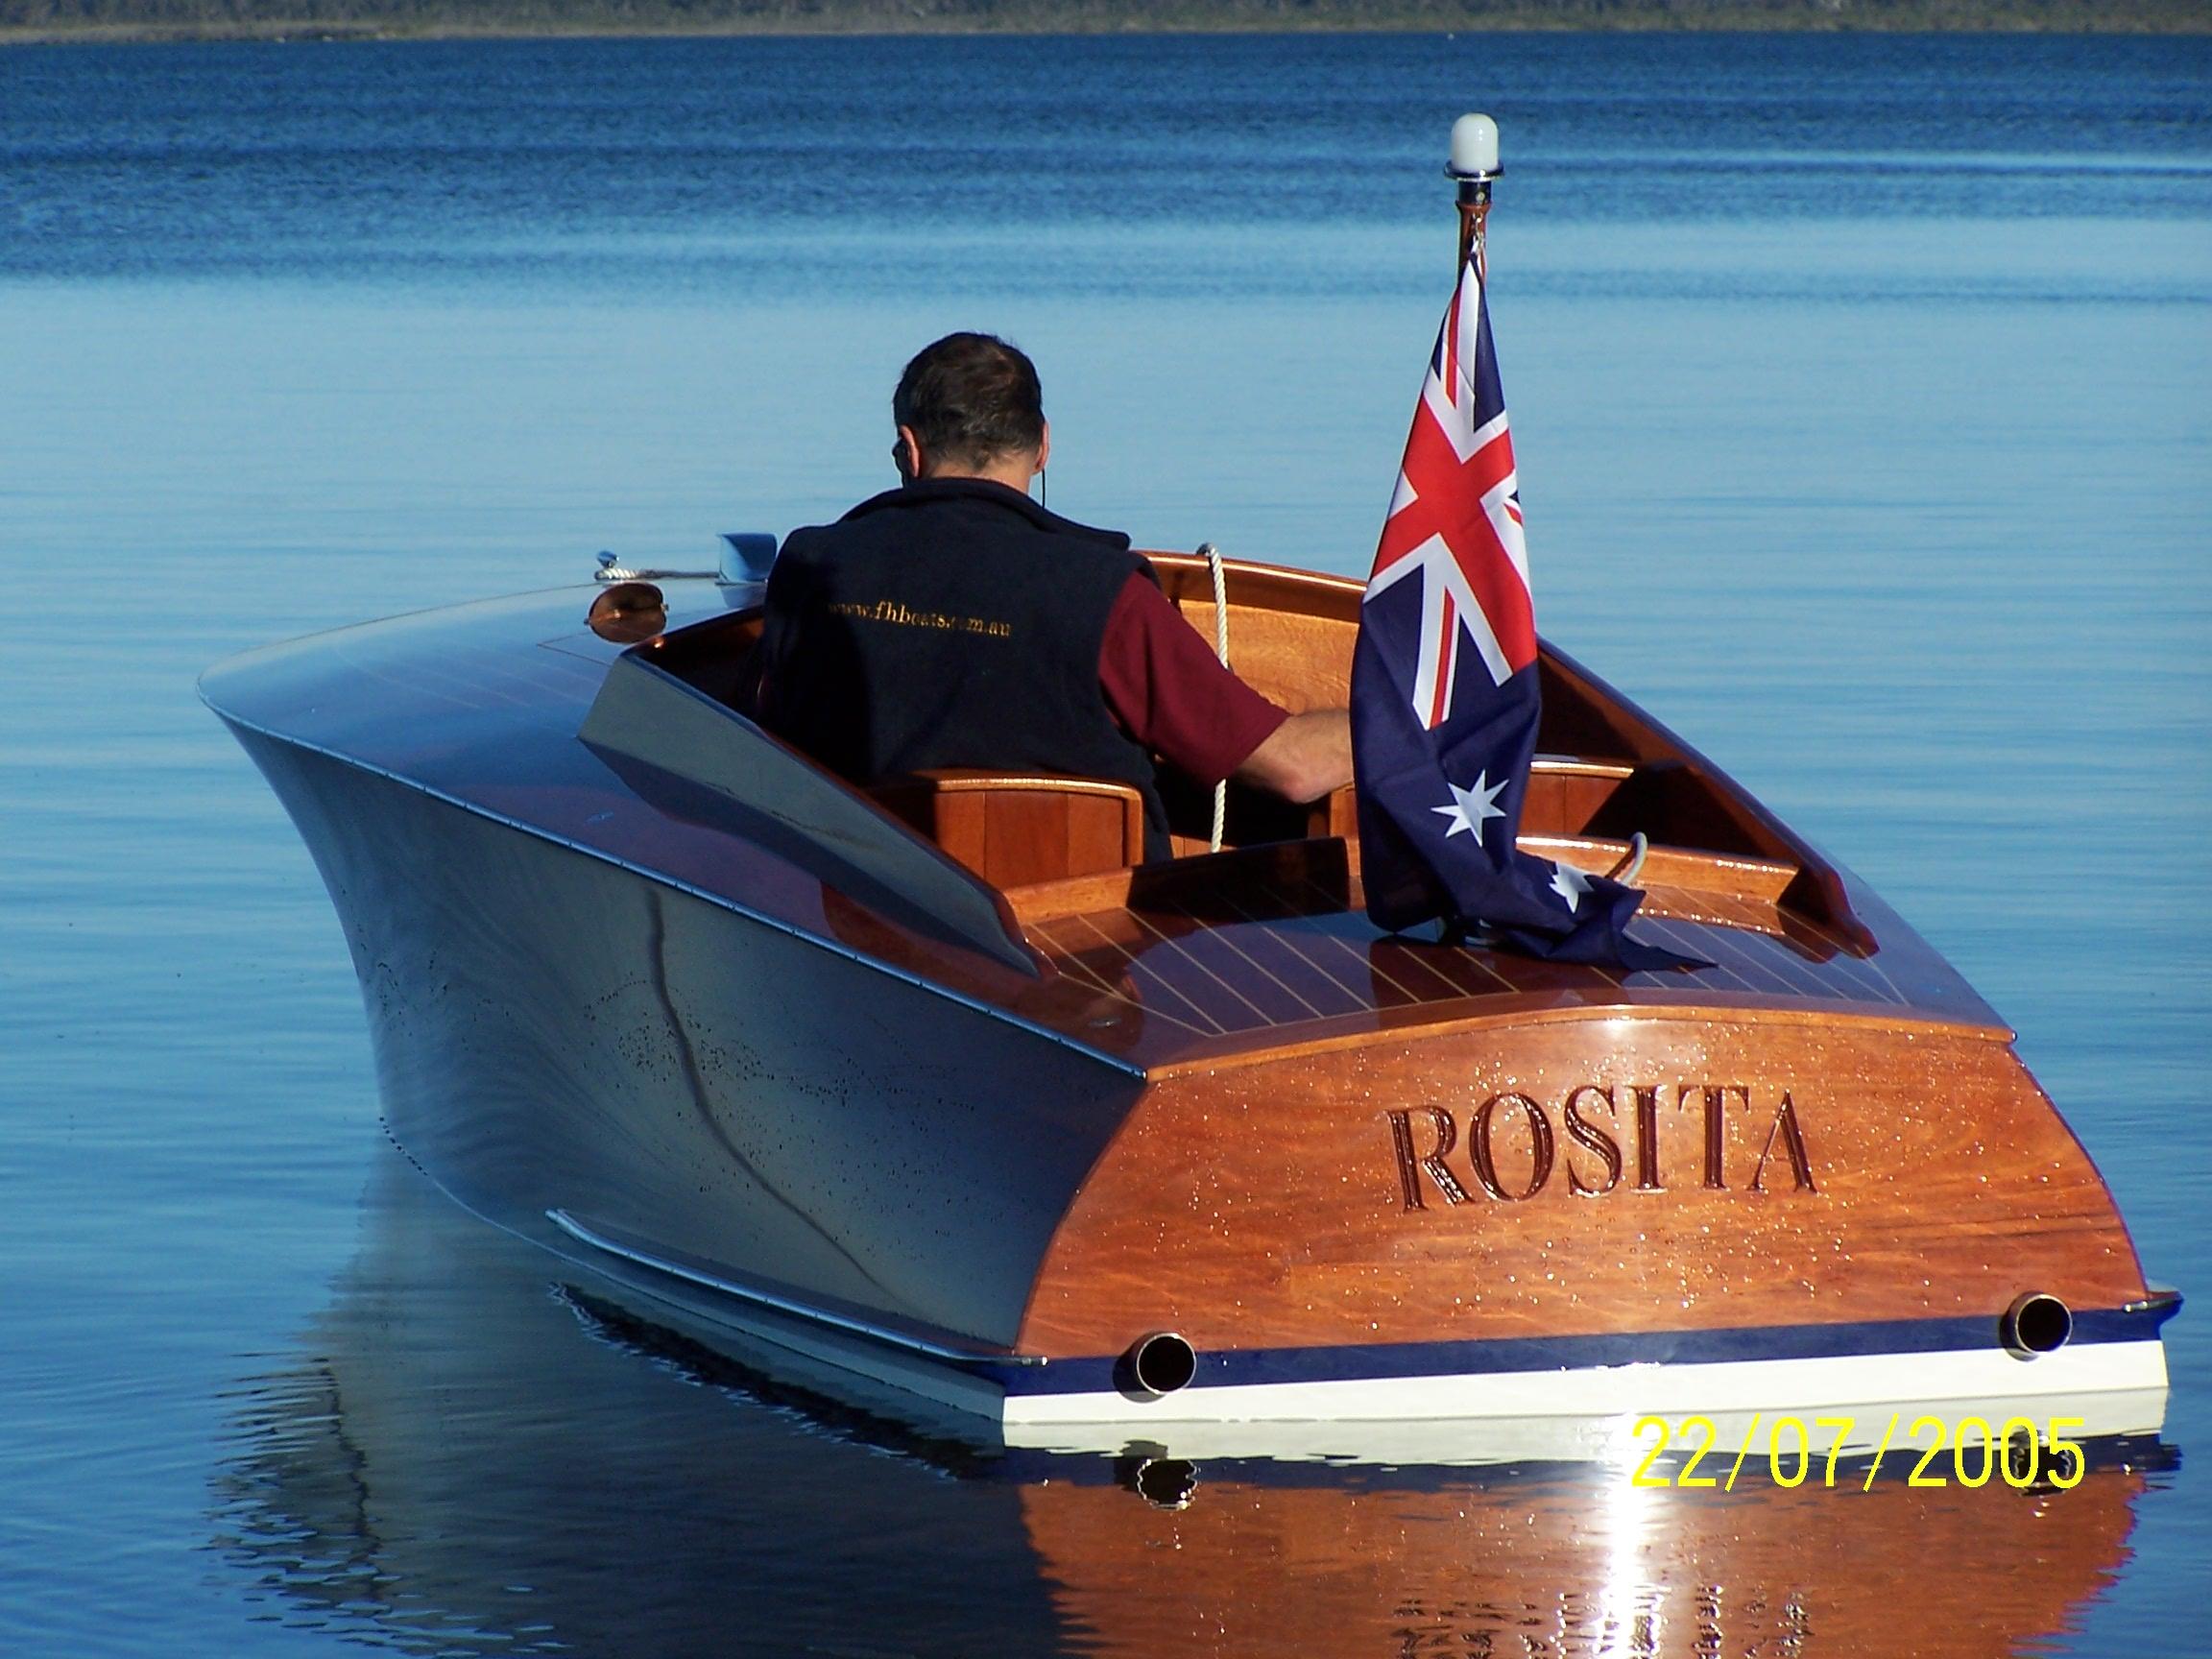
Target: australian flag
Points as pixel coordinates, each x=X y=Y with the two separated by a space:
x=1444 y=695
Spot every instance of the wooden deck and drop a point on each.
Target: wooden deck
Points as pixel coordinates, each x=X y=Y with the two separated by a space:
x=1219 y=952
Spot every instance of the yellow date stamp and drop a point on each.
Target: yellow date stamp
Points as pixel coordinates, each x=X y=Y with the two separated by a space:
x=1789 y=1451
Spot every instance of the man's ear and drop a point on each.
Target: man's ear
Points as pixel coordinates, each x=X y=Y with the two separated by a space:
x=906 y=455
x=1044 y=443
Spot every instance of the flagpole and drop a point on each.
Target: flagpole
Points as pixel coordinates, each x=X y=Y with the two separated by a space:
x=1474 y=163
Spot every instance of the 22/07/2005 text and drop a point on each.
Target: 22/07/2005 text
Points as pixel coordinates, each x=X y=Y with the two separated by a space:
x=2013 y=1453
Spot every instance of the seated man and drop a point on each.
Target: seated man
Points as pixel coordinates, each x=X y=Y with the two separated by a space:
x=955 y=622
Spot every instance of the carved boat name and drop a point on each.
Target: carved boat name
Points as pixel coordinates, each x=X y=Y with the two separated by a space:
x=1423 y=1138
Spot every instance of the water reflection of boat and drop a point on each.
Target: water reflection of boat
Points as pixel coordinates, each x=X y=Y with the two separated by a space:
x=937 y=1088
x=454 y=1464
x=451 y=1464
x=1573 y=1567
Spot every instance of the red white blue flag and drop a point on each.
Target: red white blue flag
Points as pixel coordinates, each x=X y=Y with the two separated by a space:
x=1444 y=705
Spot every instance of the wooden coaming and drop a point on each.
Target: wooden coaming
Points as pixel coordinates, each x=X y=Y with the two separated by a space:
x=1291 y=631
x=1860 y=1170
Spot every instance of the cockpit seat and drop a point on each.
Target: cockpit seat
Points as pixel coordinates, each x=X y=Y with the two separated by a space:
x=1014 y=828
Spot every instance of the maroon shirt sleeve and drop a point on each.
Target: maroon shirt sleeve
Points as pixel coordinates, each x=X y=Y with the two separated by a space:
x=1169 y=690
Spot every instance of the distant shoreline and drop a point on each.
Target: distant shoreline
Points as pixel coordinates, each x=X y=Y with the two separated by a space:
x=33 y=22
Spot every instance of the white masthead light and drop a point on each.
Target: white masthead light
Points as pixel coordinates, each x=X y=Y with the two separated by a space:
x=1473 y=148
x=1473 y=164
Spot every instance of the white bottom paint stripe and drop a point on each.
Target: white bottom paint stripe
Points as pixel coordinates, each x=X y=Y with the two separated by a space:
x=1768 y=1386
x=1583 y=1414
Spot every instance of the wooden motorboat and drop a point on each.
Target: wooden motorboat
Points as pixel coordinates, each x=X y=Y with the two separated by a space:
x=939 y=1085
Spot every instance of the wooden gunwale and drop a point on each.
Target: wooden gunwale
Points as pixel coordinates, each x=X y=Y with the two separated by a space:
x=1185 y=578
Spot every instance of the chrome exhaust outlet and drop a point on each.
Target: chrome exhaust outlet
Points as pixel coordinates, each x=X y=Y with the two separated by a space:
x=1156 y=1364
x=2035 y=1325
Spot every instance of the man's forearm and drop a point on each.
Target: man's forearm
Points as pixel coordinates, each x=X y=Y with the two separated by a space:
x=1308 y=756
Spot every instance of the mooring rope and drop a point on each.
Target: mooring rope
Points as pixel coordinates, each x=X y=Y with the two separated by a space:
x=1213 y=557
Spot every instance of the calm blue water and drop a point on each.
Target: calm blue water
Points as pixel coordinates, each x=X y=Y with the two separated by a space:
x=1862 y=388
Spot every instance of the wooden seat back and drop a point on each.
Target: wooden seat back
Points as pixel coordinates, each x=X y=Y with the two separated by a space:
x=1014 y=828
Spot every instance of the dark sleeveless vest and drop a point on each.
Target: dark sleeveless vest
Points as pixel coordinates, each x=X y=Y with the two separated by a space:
x=952 y=623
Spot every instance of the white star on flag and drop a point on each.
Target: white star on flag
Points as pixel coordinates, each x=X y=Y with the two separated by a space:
x=1472 y=808
x=1570 y=884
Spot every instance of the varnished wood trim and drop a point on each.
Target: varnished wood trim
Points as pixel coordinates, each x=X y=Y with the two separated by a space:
x=963 y=780
x=1762 y=879
x=1577 y=766
x=1274 y=588
x=1786 y=1173
x=1018 y=828
x=1448 y=1017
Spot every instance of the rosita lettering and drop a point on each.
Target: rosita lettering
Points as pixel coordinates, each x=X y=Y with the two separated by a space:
x=1512 y=1152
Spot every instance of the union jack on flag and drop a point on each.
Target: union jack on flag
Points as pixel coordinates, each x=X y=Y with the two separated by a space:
x=1454 y=522
x=1441 y=749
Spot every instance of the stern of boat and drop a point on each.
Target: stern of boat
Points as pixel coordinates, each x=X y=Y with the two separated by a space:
x=1639 y=1210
